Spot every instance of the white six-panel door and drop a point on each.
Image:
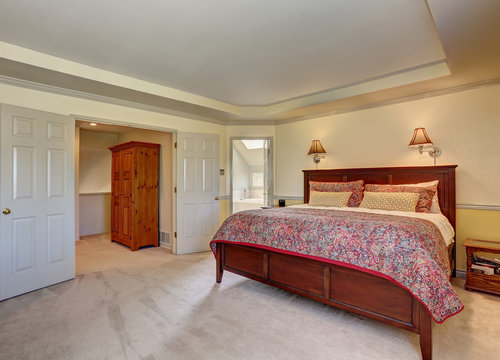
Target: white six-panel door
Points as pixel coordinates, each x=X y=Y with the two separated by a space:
x=197 y=191
x=37 y=247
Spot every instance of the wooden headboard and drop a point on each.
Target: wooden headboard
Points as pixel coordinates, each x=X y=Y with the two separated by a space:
x=396 y=175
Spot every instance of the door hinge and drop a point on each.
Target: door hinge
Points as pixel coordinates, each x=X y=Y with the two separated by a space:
x=175 y=145
x=175 y=189
x=175 y=234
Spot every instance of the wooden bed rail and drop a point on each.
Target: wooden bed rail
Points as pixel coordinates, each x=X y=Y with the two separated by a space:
x=337 y=286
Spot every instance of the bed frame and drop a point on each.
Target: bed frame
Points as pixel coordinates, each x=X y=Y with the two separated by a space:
x=342 y=287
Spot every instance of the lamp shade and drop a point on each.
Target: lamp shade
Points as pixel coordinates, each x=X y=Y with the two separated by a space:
x=420 y=138
x=316 y=148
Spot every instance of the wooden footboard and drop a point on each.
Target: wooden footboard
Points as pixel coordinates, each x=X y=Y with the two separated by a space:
x=344 y=288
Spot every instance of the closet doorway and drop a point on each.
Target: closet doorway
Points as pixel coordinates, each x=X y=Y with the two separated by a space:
x=93 y=176
x=251 y=173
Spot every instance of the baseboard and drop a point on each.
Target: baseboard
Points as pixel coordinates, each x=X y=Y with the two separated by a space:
x=93 y=235
x=461 y=274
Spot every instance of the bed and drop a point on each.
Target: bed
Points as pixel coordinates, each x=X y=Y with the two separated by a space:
x=336 y=283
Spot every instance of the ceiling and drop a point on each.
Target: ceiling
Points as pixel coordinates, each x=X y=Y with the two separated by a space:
x=253 y=157
x=256 y=61
x=100 y=127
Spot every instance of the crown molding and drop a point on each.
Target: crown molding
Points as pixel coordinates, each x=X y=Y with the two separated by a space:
x=428 y=94
x=263 y=122
x=103 y=99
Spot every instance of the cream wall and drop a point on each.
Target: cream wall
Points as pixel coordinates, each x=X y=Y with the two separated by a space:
x=165 y=139
x=122 y=115
x=94 y=203
x=68 y=105
x=95 y=161
x=465 y=125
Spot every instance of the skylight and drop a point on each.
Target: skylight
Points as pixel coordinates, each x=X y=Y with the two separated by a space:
x=253 y=144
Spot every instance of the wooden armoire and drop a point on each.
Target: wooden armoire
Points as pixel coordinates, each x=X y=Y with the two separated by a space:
x=134 y=194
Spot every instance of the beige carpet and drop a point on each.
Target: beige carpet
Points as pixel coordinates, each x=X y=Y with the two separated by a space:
x=154 y=305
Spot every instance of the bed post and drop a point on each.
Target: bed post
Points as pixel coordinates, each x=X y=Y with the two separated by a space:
x=425 y=324
x=218 y=266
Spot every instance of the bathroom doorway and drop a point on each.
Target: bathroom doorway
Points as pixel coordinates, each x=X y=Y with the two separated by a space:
x=251 y=173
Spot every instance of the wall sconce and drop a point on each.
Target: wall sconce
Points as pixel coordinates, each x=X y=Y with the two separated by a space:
x=421 y=139
x=316 y=149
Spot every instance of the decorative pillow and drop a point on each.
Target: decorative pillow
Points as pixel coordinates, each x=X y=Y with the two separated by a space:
x=426 y=193
x=322 y=198
x=356 y=187
x=435 y=209
x=399 y=201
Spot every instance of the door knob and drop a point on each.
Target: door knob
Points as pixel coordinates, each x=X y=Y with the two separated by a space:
x=216 y=198
x=6 y=211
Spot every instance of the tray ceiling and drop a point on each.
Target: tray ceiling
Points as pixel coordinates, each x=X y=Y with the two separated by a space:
x=225 y=60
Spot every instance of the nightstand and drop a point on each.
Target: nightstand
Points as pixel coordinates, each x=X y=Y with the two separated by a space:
x=477 y=281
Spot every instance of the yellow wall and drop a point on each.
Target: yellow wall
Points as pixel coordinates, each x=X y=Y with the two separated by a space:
x=224 y=205
x=476 y=224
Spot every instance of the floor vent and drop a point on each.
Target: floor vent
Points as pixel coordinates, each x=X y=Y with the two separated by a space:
x=165 y=239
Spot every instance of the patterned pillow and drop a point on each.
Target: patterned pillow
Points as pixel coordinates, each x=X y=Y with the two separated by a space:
x=426 y=193
x=322 y=198
x=399 y=201
x=435 y=209
x=356 y=187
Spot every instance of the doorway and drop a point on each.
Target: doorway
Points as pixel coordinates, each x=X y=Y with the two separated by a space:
x=251 y=173
x=93 y=175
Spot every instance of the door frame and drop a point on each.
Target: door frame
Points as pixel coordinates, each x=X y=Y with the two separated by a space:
x=270 y=165
x=173 y=239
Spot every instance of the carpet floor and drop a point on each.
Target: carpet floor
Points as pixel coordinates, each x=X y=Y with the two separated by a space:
x=152 y=305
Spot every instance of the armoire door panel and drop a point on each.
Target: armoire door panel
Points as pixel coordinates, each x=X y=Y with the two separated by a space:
x=126 y=185
x=125 y=217
x=115 y=174
x=115 y=215
x=126 y=164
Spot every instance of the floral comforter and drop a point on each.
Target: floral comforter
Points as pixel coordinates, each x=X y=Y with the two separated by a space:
x=408 y=251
